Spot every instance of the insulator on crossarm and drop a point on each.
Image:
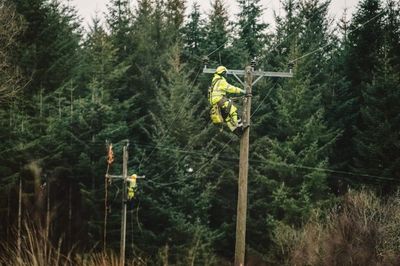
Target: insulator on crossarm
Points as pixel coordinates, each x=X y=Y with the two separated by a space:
x=290 y=65
x=205 y=61
x=253 y=63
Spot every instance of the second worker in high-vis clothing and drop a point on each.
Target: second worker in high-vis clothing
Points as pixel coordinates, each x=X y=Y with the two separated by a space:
x=219 y=101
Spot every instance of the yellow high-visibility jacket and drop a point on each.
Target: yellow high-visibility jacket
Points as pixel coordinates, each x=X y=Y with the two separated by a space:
x=219 y=88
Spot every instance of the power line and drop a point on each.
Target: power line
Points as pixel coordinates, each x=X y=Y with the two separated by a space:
x=233 y=136
x=217 y=154
x=263 y=160
x=322 y=47
x=287 y=37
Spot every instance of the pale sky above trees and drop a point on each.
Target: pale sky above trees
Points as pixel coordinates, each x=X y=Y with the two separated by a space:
x=87 y=9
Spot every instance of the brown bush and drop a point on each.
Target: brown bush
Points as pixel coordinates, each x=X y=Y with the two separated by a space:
x=10 y=26
x=361 y=230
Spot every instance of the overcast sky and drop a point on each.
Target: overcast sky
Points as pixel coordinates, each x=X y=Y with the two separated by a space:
x=88 y=8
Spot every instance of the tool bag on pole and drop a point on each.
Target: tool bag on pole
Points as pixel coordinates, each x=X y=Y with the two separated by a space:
x=215 y=114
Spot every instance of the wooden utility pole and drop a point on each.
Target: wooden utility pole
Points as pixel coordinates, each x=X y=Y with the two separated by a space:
x=248 y=73
x=124 y=201
x=243 y=173
x=125 y=180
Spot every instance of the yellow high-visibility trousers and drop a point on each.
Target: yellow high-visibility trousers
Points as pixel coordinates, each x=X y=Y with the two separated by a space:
x=230 y=116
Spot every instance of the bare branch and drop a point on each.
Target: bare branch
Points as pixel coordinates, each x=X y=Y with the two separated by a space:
x=11 y=25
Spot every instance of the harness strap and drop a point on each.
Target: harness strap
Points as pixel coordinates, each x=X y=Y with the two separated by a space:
x=221 y=102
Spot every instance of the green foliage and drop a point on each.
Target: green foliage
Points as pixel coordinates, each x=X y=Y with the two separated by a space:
x=288 y=174
x=368 y=41
x=217 y=32
x=48 y=59
x=392 y=32
x=138 y=77
x=194 y=35
x=251 y=31
x=175 y=195
x=376 y=145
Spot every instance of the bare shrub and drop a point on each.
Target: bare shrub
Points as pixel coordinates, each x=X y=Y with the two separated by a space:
x=10 y=26
x=361 y=230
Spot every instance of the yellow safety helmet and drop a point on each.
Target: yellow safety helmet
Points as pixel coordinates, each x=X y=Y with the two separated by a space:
x=220 y=70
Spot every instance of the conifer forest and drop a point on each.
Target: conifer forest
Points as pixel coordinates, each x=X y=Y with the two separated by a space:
x=324 y=153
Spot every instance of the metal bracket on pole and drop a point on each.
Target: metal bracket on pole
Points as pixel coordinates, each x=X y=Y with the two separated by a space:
x=254 y=82
x=259 y=74
x=241 y=82
x=255 y=73
x=120 y=177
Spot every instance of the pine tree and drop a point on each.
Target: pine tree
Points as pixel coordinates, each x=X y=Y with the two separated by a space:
x=286 y=181
x=119 y=19
x=174 y=16
x=361 y=60
x=365 y=38
x=376 y=150
x=314 y=38
x=251 y=31
x=177 y=194
x=285 y=39
x=48 y=58
x=392 y=32
x=217 y=33
x=46 y=51
x=193 y=35
x=293 y=140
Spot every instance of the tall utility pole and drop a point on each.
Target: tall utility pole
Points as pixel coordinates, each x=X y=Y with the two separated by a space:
x=248 y=73
x=243 y=173
x=125 y=180
x=124 y=199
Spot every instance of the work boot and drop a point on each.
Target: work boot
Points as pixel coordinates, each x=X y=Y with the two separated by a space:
x=238 y=131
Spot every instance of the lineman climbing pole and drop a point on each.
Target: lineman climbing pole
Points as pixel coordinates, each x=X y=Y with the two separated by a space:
x=125 y=179
x=248 y=73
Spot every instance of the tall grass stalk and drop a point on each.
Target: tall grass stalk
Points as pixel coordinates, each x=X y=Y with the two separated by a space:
x=35 y=250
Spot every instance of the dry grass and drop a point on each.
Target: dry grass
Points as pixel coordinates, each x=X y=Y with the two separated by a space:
x=35 y=250
x=98 y=259
x=361 y=230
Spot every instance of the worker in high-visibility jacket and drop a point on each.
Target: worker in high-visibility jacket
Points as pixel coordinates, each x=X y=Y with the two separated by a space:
x=222 y=107
x=132 y=186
